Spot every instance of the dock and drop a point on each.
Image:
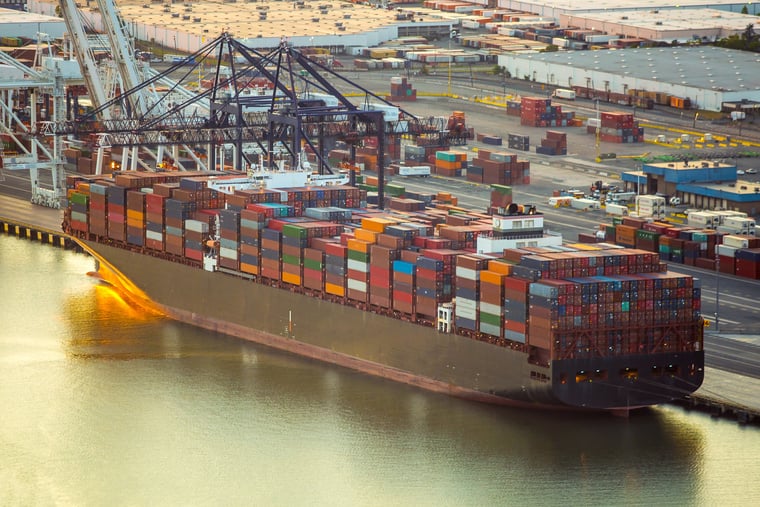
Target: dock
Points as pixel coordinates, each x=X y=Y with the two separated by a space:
x=722 y=394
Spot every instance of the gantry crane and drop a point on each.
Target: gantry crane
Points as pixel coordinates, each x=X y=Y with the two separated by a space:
x=301 y=109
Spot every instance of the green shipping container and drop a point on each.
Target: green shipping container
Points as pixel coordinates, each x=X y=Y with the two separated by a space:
x=358 y=256
x=291 y=259
x=312 y=264
x=294 y=231
x=494 y=320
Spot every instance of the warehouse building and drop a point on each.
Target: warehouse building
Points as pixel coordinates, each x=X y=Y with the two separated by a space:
x=699 y=184
x=188 y=26
x=707 y=76
x=556 y=8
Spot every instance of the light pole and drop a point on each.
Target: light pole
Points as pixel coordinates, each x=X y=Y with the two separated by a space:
x=453 y=33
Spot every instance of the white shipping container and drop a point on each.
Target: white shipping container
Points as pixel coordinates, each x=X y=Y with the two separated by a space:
x=196 y=226
x=726 y=250
x=463 y=303
x=466 y=313
x=739 y=223
x=228 y=253
x=736 y=241
x=585 y=204
x=617 y=210
x=360 y=266
x=491 y=308
x=356 y=285
x=420 y=170
x=706 y=219
x=469 y=274
x=153 y=235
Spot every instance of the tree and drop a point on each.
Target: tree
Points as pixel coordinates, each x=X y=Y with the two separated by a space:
x=745 y=10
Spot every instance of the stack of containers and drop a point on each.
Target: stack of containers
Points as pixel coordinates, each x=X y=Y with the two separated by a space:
x=555 y=143
x=313 y=269
x=229 y=239
x=726 y=258
x=154 y=221
x=79 y=209
x=404 y=281
x=625 y=312
x=515 y=309
x=271 y=254
x=294 y=240
x=252 y=223
x=500 y=168
x=450 y=163
x=646 y=240
x=176 y=213
x=98 y=209
x=381 y=258
x=501 y=197
x=491 y=318
x=135 y=217
x=358 y=265
x=196 y=232
x=539 y=112
x=401 y=90
x=748 y=263
x=468 y=268
x=514 y=108
x=429 y=286
x=116 y=197
x=518 y=142
x=620 y=128
x=336 y=269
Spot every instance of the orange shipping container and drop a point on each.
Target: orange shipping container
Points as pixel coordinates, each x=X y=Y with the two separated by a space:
x=365 y=235
x=336 y=290
x=291 y=278
x=491 y=277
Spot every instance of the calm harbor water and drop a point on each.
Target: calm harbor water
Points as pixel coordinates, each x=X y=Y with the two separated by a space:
x=101 y=404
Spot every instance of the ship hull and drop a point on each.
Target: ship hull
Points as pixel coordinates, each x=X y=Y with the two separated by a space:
x=377 y=344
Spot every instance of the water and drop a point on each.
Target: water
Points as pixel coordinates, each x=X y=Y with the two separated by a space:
x=103 y=405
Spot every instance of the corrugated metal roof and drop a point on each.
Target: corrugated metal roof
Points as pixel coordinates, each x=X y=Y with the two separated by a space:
x=698 y=66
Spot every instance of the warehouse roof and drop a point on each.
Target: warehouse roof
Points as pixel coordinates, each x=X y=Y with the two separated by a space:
x=705 y=67
x=570 y=6
x=665 y=24
x=271 y=19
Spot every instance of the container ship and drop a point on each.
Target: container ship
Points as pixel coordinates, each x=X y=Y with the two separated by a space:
x=481 y=305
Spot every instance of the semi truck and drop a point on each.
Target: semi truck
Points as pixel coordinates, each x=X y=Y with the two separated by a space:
x=561 y=93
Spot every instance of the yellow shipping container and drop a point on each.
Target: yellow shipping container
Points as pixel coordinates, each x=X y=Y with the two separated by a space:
x=336 y=290
x=376 y=224
x=357 y=245
x=584 y=246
